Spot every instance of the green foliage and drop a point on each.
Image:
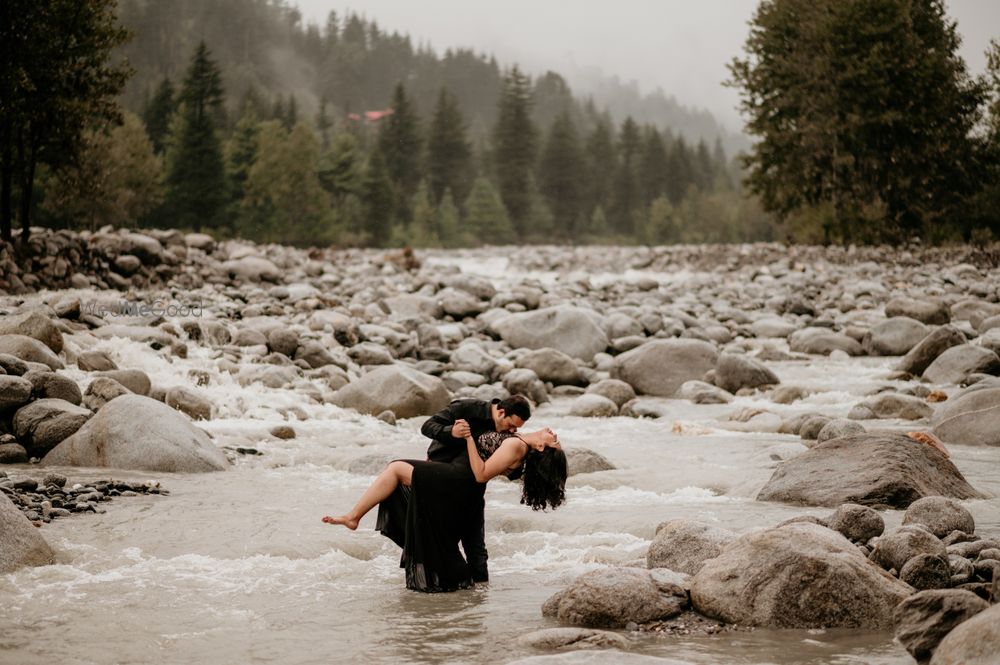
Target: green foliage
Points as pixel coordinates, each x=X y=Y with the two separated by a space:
x=514 y=148
x=561 y=175
x=157 y=115
x=863 y=105
x=486 y=217
x=379 y=201
x=241 y=153
x=400 y=144
x=626 y=201
x=116 y=179
x=285 y=201
x=449 y=155
x=56 y=80
x=196 y=178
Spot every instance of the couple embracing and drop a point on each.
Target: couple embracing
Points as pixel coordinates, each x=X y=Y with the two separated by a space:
x=428 y=507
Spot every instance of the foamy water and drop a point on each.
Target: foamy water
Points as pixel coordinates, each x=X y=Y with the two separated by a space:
x=237 y=567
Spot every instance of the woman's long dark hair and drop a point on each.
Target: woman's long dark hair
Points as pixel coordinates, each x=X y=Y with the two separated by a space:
x=544 y=476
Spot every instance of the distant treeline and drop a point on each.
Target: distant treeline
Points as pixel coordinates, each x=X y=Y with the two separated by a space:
x=869 y=128
x=541 y=166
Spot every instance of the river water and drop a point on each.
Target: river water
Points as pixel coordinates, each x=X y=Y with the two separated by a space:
x=237 y=567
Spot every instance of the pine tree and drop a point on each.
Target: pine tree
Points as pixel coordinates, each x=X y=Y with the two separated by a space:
x=601 y=164
x=485 y=215
x=449 y=155
x=514 y=148
x=292 y=116
x=448 y=223
x=378 y=200
x=680 y=174
x=400 y=145
x=653 y=167
x=861 y=105
x=561 y=175
x=157 y=115
x=196 y=180
x=340 y=168
x=323 y=123
x=626 y=191
x=241 y=153
x=284 y=198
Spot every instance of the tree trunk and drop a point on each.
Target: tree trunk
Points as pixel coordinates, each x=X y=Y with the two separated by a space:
x=28 y=159
x=6 y=183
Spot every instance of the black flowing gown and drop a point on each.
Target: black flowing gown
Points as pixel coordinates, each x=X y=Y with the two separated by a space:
x=427 y=519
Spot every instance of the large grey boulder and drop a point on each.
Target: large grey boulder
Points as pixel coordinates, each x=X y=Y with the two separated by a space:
x=940 y=515
x=924 y=310
x=190 y=402
x=568 y=329
x=894 y=548
x=733 y=372
x=14 y=392
x=799 y=575
x=975 y=641
x=252 y=269
x=924 y=353
x=923 y=619
x=971 y=418
x=135 y=380
x=617 y=391
x=974 y=310
x=29 y=349
x=553 y=366
x=892 y=405
x=44 y=423
x=413 y=305
x=102 y=390
x=662 y=366
x=593 y=406
x=470 y=357
x=585 y=460
x=137 y=432
x=857 y=523
x=553 y=639
x=523 y=381
x=685 y=545
x=50 y=384
x=958 y=362
x=823 y=341
x=615 y=597
x=894 y=337
x=873 y=469
x=34 y=324
x=20 y=542
x=403 y=390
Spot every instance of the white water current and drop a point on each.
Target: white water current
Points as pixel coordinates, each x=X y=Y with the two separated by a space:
x=236 y=567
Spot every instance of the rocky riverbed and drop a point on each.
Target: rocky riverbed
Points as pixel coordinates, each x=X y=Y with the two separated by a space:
x=777 y=454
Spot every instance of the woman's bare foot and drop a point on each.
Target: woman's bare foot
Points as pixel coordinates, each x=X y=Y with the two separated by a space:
x=344 y=520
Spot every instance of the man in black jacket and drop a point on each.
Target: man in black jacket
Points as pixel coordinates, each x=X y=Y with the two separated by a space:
x=448 y=428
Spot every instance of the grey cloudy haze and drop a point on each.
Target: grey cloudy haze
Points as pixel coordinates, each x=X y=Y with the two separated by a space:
x=681 y=46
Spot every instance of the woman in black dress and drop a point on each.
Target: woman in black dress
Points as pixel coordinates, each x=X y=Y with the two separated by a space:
x=423 y=505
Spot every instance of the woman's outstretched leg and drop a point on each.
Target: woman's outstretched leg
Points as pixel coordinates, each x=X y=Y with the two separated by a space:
x=397 y=473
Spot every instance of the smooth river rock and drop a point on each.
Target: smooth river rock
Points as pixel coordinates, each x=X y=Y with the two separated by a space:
x=970 y=419
x=973 y=642
x=403 y=390
x=564 y=328
x=21 y=544
x=615 y=597
x=685 y=545
x=799 y=575
x=874 y=469
x=660 y=367
x=137 y=432
x=925 y=618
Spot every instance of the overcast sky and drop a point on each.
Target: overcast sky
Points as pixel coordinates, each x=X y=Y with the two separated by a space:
x=681 y=46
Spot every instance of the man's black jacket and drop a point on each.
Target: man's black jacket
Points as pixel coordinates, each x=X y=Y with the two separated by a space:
x=446 y=447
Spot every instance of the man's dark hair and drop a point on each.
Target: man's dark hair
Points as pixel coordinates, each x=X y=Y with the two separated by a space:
x=516 y=405
x=544 y=479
